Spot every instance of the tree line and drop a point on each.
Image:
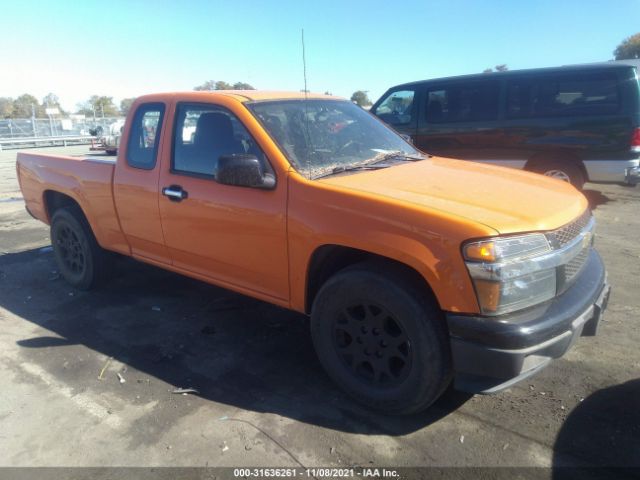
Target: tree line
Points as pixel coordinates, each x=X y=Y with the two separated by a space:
x=27 y=106
x=222 y=85
x=359 y=96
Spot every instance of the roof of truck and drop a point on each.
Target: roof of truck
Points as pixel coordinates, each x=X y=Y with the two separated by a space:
x=257 y=95
x=244 y=95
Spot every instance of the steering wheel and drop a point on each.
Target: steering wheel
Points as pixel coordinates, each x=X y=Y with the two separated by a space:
x=353 y=139
x=351 y=146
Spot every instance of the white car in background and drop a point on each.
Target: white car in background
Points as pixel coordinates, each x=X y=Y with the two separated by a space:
x=111 y=141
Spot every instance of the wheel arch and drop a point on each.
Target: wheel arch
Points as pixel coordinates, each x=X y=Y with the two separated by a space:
x=327 y=260
x=101 y=217
x=54 y=200
x=557 y=156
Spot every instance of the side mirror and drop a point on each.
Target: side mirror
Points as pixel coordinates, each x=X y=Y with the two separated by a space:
x=406 y=138
x=243 y=170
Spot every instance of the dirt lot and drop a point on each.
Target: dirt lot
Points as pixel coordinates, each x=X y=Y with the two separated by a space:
x=264 y=399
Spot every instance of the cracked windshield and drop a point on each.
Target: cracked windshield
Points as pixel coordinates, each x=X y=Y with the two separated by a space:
x=324 y=137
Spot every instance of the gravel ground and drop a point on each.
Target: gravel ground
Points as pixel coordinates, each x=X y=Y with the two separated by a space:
x=86 y=378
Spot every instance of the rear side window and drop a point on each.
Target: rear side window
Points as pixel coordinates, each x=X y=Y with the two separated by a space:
x=397 y=108
x=563 y=95
x=468 y=102
x=144 y=138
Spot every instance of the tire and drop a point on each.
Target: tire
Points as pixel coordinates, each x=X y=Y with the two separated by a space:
x=381 y=339
x=562 y=170
x=111 y=152
x=81 y=261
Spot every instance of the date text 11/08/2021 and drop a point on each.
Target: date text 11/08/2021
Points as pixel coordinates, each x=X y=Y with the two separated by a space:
x=315 y=472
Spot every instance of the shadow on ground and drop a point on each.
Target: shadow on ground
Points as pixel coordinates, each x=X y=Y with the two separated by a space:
x=601 y=435
x=595 y=198
x=232 y=349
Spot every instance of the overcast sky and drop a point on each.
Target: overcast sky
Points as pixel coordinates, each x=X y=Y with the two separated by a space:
x=128 y=48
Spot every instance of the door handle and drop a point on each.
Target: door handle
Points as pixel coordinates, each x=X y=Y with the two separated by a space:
x=175 y=193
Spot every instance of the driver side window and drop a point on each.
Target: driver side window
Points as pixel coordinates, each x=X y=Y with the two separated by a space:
x=397 y=108
x=203 y=134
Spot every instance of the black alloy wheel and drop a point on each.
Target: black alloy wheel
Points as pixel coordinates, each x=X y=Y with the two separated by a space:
x=71 y=250
x=382 y=338
x=373 y=344
x=81 y=261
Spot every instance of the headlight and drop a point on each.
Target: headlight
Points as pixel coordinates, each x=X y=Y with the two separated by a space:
x=511 y=273
x=507 y=248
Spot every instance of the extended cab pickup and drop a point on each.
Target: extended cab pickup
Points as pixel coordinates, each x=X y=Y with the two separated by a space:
x=416 y=270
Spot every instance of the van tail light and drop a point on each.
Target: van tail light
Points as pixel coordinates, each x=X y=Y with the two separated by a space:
x=635 y=140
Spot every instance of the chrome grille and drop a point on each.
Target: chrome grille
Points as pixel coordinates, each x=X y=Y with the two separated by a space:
x=564 y=235
x=572 y=268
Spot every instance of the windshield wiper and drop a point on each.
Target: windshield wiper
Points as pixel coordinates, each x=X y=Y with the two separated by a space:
x=348 y=168
x=395 y=154
x=373 y=163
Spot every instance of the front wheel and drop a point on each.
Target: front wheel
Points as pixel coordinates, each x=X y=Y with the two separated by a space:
x=81 y=261
x=381 y=339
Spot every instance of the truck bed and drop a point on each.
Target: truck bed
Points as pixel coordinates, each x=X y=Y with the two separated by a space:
x=86 y=179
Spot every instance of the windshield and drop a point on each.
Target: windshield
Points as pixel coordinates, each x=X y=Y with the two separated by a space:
x=324 y=136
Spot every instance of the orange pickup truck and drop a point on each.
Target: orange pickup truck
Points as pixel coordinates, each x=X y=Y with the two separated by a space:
x=416 y=271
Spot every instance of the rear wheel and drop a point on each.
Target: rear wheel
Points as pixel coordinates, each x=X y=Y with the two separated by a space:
x=81 y=261
x=566 y=171
x=381 y=339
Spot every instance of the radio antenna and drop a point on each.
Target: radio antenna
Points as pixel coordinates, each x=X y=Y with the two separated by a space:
x=306 y=113
x=304 y=66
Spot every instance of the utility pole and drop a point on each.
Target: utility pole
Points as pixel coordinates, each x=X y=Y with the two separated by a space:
x=33 y=120
x=50 y=126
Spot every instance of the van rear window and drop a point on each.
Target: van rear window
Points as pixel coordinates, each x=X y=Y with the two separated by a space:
x=563 y=95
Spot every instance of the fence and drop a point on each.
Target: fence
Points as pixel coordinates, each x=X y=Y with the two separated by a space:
x=20 y=131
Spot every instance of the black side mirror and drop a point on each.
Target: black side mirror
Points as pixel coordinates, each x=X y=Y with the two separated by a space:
x=406 y=138
x=243 y=170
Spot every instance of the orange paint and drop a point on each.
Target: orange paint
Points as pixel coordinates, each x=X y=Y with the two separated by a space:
x=261 y=242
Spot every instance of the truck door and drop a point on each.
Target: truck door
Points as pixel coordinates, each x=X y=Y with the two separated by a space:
x=135 y=183
x=233 y=236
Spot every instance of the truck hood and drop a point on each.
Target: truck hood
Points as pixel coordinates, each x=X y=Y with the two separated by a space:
x=504 y=199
